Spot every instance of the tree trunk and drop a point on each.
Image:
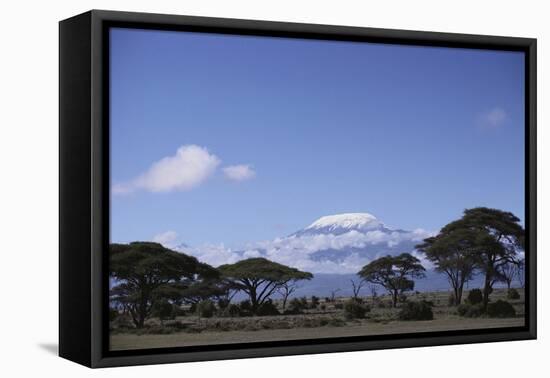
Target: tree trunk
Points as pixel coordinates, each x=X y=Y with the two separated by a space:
x=486 y=290
x=394 y=299
x=459 y=294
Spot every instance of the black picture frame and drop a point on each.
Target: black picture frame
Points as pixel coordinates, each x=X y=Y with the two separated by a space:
x=84 y=187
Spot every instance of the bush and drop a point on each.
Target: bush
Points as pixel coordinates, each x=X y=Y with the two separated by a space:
x=113 y=314
x=267 y=309
x=353 y=309
x=501 y=309
x=470 y=311
x=513 y=294
x=297 y=305
x=475 y=296
x=223 y=303
x=416 y=311
x=339 y=306
x=233 y=310
x=206 y=308
x=163 y=309
x=314 y=302
x=245 y=308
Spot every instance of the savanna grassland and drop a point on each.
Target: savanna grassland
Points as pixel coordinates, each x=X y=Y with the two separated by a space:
x=317 y=318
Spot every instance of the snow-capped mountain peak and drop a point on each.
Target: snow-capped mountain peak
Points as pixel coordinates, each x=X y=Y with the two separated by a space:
x=346 y=221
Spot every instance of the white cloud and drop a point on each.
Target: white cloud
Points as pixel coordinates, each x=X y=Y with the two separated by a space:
x=187 y=169
x=167 y=238
x=240 y=172
x=493 y=118
x=298 y=251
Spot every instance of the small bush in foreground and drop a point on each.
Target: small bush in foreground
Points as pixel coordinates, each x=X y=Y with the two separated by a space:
x=353 y=309
x=501 y=309
x=206 y=308
x=416 y=311
x=470 y=311
x=513 y=294
x=233 y=310
x=267 y=309
x=475 y=296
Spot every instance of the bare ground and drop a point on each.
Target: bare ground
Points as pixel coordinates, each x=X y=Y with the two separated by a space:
x=132 y=341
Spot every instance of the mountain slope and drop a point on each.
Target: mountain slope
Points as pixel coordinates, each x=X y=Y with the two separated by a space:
x=334 y=244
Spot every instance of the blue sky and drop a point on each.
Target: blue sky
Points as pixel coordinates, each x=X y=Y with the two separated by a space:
x=274 y=133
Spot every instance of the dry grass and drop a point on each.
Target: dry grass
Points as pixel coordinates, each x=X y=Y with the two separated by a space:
x=314 y=324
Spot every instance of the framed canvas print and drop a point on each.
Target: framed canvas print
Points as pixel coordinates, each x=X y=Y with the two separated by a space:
x=233 y=188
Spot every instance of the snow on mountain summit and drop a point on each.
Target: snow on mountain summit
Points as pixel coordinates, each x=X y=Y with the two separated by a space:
x=347 y=221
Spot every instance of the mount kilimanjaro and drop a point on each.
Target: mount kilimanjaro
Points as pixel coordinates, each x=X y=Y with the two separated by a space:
x=334 y=248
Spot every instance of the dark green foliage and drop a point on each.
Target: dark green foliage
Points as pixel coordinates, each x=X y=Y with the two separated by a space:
x=206 y=309
x=496 y=238
x=245 y=308
x=469 y=310
x=113 y=314
x=223 y=303
x=355 y=310
x=451 y=251
x=416 y=311
x=297 y=305
x=339 y=306
x=163 y=309
x=513 y=294
x=501 y=309
x=260 y=278
x=394 y=273
x=475 y=296
x=314 y=302
x=148 y=272
x=267 y=309
x=233 y=310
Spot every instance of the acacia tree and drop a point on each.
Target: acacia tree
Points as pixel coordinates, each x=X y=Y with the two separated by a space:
x=452 y=252
x=498 y=239
x=260 y=278
x=395 y=273
x=145 y=273
x=508 y=272
x=356 y=287
x=286 y=289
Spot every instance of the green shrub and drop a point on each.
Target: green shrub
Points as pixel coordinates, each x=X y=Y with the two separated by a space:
x=339 y=306
x=353 y=309
x=475 y=296
x=513 y=294
x=323 y=307
x=206 y=308
x=233 y=310
x=163 y=309
x=314 y=302
x=245 y=308
x=113 y=314
x=470 y=311
x=223 y=303
x=416 y=311
x=297 y=305
x=501 y=309
x=267 y=309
